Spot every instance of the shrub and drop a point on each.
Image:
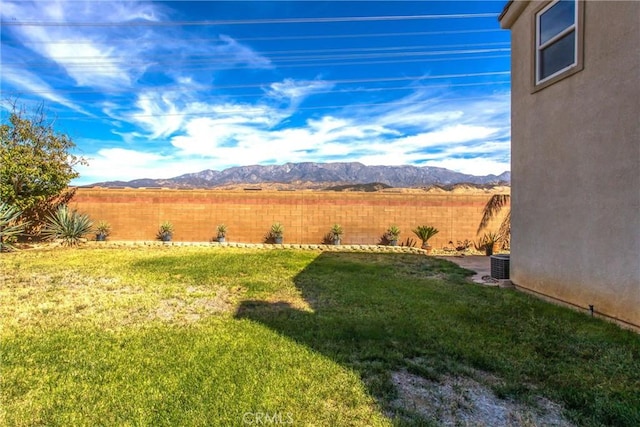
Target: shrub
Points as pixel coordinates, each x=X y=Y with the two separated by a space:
x=103 y=228
x=336 y=231
x=68 y=225
x=393 y=232
x=10 y=228
x=425 y=233
x=165 y=231
x=277 y=230
x=221 y=230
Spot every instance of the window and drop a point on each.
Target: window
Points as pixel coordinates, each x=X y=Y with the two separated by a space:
x=557 y=40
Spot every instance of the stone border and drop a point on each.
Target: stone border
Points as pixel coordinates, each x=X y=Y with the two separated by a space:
x=312 y=247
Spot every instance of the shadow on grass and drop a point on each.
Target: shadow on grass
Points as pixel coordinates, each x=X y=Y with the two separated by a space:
x=374 y=313
x=381 y=313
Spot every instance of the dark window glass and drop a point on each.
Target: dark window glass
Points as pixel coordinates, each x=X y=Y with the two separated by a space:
x=555 y=20
x=558 y=55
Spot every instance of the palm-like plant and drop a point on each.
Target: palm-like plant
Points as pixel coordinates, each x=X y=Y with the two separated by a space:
x=68 y=225
x=392 y=234
x=103 y=229
x=495 y=204
x=165 y=231
x=424 y=233
x=277 y=231
x=9 y=226
x=336 y=231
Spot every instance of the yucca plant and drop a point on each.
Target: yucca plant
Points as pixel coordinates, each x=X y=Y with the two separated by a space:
x=9 y=226
x=489 y=240
x=335 y=233
x=424 y=233
x=103 y=229
x=392 y=234
x=222 y=232
x=277 y=232
x=68 y=225
x=165 y=231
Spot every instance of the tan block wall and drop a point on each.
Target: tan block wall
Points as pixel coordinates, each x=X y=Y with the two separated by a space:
x=135 y=214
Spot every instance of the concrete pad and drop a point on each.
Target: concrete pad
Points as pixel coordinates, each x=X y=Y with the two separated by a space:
x=481 y=264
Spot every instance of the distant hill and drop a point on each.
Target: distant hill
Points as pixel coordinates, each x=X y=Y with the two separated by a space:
x=318 y=175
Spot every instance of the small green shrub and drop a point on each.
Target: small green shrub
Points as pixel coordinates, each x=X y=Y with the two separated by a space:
x=277 y=230
x=336 y=231
x=68 y=225
x=425 y=233
x=221 y=230
x=165 y=231
x=103 y=228
x=393 y=232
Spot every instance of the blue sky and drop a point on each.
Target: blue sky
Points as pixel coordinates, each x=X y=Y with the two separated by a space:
x=158 y=89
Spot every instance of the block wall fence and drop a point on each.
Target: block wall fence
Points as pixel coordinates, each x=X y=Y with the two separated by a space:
x=307 y=216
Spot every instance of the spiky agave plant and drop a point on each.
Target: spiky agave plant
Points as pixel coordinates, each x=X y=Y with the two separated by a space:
x=10 y=228
x=68 y=225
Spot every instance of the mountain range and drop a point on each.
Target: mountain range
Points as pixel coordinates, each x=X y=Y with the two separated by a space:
x=317 y=175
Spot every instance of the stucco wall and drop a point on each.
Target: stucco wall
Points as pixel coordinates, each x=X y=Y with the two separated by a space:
x=576 y=167
x=306 y=215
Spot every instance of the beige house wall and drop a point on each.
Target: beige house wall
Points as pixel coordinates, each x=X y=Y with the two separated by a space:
x=576 y=165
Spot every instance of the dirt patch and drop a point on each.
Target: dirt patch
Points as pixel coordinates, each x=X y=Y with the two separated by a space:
x=462 y=401
x=191 y=310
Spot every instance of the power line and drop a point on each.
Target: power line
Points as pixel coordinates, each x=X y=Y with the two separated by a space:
x=267 y=108
x=277 y=60
x=309 y=64
x=280 y=38
x=245 y=21
x=264 y=84
x=381 y=49
x=381 y=89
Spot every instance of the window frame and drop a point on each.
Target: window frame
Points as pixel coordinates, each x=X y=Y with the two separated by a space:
x=577 y=27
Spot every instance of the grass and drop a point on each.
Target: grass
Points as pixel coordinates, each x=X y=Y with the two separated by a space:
x=210 y=336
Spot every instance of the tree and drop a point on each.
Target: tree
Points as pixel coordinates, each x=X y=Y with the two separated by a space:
x=36 y=165
x=491 y=210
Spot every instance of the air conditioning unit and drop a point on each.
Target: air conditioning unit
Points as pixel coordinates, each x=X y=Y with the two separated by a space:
x=500 y=267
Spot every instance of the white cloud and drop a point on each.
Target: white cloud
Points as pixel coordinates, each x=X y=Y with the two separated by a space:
x=31 y=83
x=112 y=164
x=469 y=137
x=296 y=90
x=236 y=53
x=87 y=58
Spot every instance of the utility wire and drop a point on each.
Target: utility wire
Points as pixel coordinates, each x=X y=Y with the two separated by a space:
x=264 y=84
x=280 y=38
x=380 y=49
x=316 y=64
x=382 y=89
x=274 y=60
x=245 y=21
x=240 y=110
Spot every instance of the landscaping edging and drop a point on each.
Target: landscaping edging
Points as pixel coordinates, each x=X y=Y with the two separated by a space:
x=327 y=248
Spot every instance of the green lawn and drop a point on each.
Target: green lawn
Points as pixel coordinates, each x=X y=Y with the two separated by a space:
x=220 y=336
